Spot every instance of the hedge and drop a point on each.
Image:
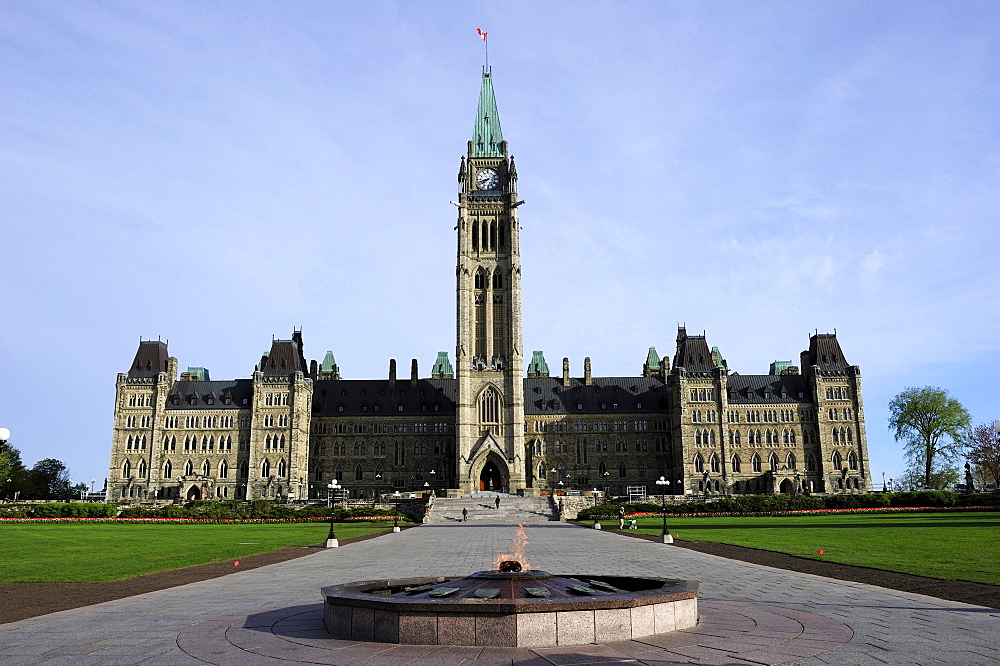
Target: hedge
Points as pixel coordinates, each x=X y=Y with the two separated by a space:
x=60 y=510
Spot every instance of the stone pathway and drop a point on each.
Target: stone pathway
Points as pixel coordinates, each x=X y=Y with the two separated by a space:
x=743 y=605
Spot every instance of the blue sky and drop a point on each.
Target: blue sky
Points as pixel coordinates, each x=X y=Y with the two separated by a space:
x=215 y=174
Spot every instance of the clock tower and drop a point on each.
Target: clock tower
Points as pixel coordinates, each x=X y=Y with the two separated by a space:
x=490 y=410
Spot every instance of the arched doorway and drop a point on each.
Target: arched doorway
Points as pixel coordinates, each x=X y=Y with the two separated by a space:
x=786 y=487
x=491 y=478
x=194 y=493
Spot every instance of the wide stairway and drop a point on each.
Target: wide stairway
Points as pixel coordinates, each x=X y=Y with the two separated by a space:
x=513 y=510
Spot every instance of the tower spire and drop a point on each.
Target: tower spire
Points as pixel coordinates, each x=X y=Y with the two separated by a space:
x=487 y=137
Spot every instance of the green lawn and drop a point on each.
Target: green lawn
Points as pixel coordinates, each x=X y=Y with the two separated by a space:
x=96 y=553
x=960 y=546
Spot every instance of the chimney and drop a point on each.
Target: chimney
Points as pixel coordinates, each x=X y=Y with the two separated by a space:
x=565 y=371
x=586 y=372
x=392 y=372
x=413 y=372
x=313 y=369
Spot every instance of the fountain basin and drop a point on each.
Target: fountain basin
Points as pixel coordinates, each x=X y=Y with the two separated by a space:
x=506 y=609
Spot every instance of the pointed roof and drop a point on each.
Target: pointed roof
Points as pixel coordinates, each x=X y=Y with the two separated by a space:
x=329 y=362
x=487 y=137
x=538 y=367
x=652 y=359
x=442 y=366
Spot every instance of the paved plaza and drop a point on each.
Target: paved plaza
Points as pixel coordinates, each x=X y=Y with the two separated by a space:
x=749 y=613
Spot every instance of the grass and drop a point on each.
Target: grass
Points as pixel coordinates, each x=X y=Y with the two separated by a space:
x=960 y=546
x=97 y=553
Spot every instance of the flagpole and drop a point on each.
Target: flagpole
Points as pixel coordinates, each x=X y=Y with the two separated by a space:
x=486 y=41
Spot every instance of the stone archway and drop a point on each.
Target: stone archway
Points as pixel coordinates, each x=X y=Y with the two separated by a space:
x=490 y=477
x=193 y=493
x=786 y=487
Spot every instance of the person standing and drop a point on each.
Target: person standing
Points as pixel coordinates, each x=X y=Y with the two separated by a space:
x=497 y=503
x=621 y=517
x=465 y=515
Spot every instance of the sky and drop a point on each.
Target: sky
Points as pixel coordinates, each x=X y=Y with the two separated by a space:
x=217 y=174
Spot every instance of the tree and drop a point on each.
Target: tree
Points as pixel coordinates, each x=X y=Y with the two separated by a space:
x=931 y=425
x=984 y=450
x=50 y=478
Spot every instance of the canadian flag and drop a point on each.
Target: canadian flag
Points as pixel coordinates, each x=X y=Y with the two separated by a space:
x=481 y=33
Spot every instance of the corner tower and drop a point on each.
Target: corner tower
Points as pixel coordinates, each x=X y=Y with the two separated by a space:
x=488 y=353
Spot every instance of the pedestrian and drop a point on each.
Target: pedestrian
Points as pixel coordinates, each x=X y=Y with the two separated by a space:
x=621 y=517
x=497 y=503
x=465 y=515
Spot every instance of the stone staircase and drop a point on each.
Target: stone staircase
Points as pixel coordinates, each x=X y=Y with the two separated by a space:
x=513 y=510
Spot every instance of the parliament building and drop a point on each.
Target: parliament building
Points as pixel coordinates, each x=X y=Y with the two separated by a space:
x=489 y=421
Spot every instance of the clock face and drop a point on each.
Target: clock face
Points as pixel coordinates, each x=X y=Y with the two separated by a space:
x=487 y=179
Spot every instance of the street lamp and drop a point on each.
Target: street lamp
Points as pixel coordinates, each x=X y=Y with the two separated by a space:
x=331 y=538
x=890 y=484
x=395 y=511
x=664 y=534
x=883 y=480
x=597 y=519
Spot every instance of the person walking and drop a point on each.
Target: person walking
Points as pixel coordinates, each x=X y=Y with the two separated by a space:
x=497 y=503
x=621 y=517
x=465 y=515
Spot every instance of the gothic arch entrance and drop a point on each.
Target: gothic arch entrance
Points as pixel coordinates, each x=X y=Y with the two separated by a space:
x=490 y=478
x=786 y=487
x=194 y=493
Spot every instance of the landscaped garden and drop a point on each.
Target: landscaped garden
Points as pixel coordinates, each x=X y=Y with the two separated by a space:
x=952 y=545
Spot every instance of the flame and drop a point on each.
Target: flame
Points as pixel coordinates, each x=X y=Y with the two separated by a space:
x=517 y=549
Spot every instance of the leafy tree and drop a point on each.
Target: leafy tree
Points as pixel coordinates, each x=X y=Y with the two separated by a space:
x=942 y=478
x=12 y=472
x=984 y=450
x=51 y=479
x=931 y=425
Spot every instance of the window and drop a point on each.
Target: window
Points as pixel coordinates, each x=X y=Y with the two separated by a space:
x=714 y=463
x=735 y=464
x=699 y=464
x=281 y=468
x=810 y=463
x=755 y=463
x=490 y=405
x=838 y=462
x=622 y=470
x=265 y=469
x=223 y=470
x=852 y=461
x=206 y=470
x=126 y=470
x=359 y=473
x=168 y=470
x=773 y=462
x=790 y=461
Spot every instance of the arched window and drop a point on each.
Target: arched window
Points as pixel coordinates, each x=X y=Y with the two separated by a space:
x=211 y=443
x=245 y=469
x=359 y=474
x=852 y=460
x=849 y=436
x=281 y=444
x=602 y=469
x=480 y=279
x=784 y=436
x=188 y=468
x=142 y=469
x=790 y=461
x=791 y=436
x=497 y=280
x=126 y=470
x=490 y=406
x=711 y=437
x=772 y=461
x=767 y=437
x=541 y=471
x=810 y=462
x=206 y=469
x=755 y=462
x=713 y=463
x=699 y=464
x=475 y=241
x=836 y=435
x=697 y=438
x=168 y=470
x=622 y=471
x=265 y=469
x=338 y=474
x=281 y=468
x=223 y=470
x=267 y=442
x=143 y=442
x=735 y=464
x=838 y=462
x=642 y=469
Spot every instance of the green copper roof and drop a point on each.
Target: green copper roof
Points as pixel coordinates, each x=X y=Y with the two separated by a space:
x=538 y=366
x=328 y=362
x=777 y=367
x=717 y=358
x=652 y=358
x=442 y=366
x=486 y=137
x=199 y=374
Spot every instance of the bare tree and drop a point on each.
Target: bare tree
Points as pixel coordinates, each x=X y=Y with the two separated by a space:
x=984 y=450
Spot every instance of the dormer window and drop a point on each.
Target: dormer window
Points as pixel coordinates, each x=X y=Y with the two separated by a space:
x=377 y=408
x=245 y=400
x=579 y=405
x=227 y=400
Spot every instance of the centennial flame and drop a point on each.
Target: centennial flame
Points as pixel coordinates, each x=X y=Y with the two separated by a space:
x=516 y=554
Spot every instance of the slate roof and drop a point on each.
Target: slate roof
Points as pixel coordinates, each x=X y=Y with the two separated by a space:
x=284 y=358
x=751 y=388
x=598 y=398
x=693 y=353
x=355 y=395
x=196 y=394
x=150 y=359
x=824 y=351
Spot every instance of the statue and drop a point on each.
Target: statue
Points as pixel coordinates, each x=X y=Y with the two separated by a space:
x=970 y=486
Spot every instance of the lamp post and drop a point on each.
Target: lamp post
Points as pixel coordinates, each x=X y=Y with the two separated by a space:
x=664 y=534
x=883 y=481
x=890 y=484
x=597 y=519
x=331 y=538
x=395 y=511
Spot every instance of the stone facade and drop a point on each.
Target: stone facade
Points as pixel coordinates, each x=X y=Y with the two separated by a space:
x=293 y=426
